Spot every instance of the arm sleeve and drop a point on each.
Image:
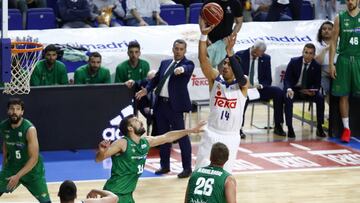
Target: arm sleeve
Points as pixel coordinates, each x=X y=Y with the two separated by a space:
x=237 y=69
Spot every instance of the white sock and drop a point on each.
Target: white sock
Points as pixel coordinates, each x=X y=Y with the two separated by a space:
x=345 y=122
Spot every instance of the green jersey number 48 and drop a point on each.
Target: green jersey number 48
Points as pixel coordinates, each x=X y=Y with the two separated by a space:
x=354 y=41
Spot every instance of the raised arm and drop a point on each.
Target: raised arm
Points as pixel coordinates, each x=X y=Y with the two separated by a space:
x=105 y=149
x=33 y=150
x=174 y=135
x=332 y=48
x=209 y=72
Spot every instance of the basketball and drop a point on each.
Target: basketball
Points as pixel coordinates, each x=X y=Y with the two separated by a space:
x=212 y=13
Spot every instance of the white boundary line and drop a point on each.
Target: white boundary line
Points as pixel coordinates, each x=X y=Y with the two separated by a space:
x=239 y=173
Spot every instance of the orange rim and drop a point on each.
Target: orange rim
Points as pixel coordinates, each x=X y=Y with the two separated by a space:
x=14 y=50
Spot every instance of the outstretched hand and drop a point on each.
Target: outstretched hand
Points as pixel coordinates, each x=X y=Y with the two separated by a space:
x=141 y=93
x=104 y=145
x=199 y=127
x=230 y=41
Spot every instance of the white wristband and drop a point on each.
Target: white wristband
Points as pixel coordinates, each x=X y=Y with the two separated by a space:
x=203 y=38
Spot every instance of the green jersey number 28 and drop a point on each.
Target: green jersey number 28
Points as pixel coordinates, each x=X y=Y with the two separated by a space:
x=204 y=186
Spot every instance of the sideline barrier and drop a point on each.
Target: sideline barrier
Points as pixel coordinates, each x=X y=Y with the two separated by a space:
x=74 y=117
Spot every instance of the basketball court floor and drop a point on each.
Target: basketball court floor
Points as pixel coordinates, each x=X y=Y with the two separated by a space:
x=269 y=168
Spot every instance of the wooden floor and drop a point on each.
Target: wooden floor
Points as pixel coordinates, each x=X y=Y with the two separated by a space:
x=302 y=186
x=327 y=186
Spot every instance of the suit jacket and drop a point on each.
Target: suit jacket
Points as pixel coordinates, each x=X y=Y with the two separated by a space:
x=178 y=91
x=264 y=66
x=293 y=72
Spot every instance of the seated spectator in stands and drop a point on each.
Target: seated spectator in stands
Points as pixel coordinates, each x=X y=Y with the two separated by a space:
x=302 y=81
x=247 y=12
x=325 y=9
x=324 y=39
x=278 y=7
x=143 y=13
x=75 y=13
x=166 y=2
x=105 y=12
x=93 y=72
x=11 y=3
x=257 y=65
x=186 y=3
x=49 y=71
x=260 y=9
x=24 y=5
x=68 y=193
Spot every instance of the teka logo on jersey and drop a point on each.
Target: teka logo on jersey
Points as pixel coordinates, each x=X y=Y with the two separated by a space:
x=224 y=102
x=113 y=133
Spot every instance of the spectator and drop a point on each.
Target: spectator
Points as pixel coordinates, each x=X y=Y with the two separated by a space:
x=278 y=6
x=257 y=65
x=22 y=162
x=232 y=12
x=167 y=2
x=105 y=12
x=49 y=71
x=93 y=72
x=345 y=40
x=325 y=9
x=172 y=101
x=247 y=14
x=128 y=154
x=324 y=39
x=223 y=184
x=68 y=193
x=11 y=3
x=261 y=8
x=302 y=81
x=75 y=13
x=143 y=13
x=24 y=5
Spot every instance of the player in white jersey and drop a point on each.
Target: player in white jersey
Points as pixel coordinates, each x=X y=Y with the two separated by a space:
x=228 y=94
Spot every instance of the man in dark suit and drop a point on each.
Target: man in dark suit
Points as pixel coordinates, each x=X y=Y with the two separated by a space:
x=302 y=81
x=172 y=100
x=257 y=65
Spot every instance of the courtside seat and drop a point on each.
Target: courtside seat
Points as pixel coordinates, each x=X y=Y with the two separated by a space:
x=14 y=19
x=173 y=14
x=194 y=12
x=40 y=18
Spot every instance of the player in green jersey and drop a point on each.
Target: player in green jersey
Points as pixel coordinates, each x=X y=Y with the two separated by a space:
x=346 y=75
x=212 y=184
x=129 y=154
x=22 y=163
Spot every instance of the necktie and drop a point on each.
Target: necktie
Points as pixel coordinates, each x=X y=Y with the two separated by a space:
x=252 y=71
x=163 y=79
x=304 y=76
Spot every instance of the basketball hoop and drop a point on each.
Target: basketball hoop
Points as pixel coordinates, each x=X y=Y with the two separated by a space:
x=24 y=56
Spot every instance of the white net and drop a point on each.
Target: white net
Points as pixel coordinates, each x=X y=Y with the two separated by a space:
x=24 y=56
